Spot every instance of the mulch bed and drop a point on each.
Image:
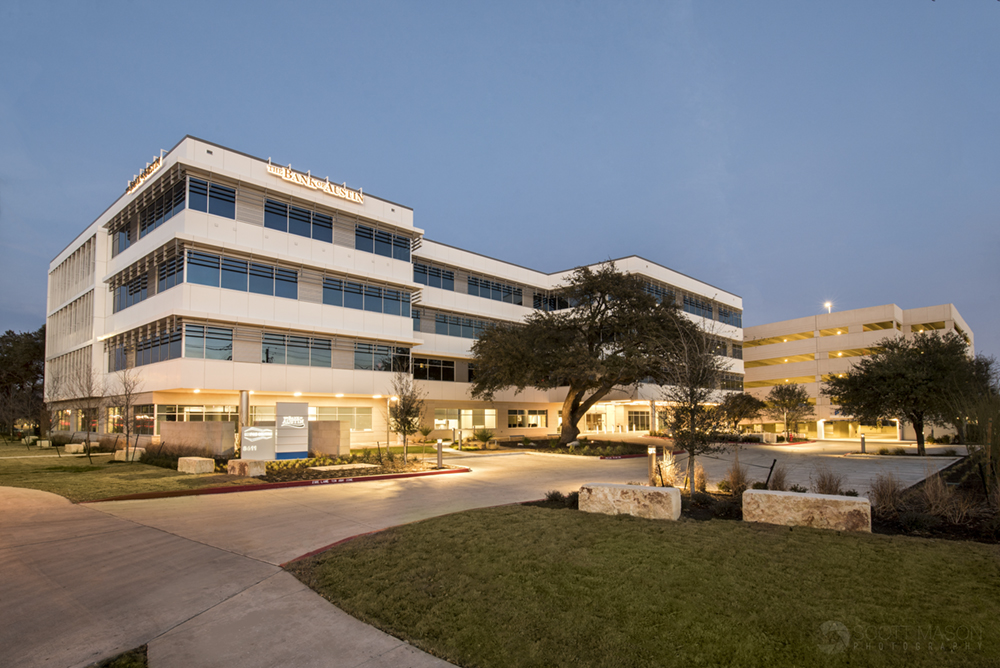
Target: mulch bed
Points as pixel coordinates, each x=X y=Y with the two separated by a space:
x=304 y=473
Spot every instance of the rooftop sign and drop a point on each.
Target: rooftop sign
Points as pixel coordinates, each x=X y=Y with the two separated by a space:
x=144 y=174
x=308 y=181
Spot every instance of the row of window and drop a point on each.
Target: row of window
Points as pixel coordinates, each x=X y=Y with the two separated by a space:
x=517 y=419
x=301 y=222
x=162 y=209
x=295 y=350
x=430 y=369
x=500 y=292
x=131 y=293
x=660 y=293
x=698 y=307
x=465 y=418
x=158 y=348
x=232 y=274
x=381 y=243
x=434 y=277
x=337 y=292
x=730 y=317
x=212 y=198
x=549 y=302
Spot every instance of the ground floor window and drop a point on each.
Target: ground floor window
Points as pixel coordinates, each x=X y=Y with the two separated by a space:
x=142 y=419
x=181 y=413
x=360 y=418
x=61 y=421
x=638 y=420
x=539 y=418
x=116 y=424
x=465 y=418
x=595 y=421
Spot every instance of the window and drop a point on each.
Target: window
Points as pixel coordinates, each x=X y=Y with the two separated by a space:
x=465 y=418
x=696 y=306
x=211 y=343
x=300 y=222
x=732 y=381
x=275 y=215
x=516 y=419
x=730 y=317
x=272 y=349
x=261 y=279
x=538 y=418
x=452 y=325
x=737 y=351
x=430 y=369
x=434 y=277
x=117 y=358
x=365 y=297
x=158 y=348
x=122 y=240
x=638 y=420
x=660 y=293
x=212 y=198
x=549 y=302
x=482 y=287
x=234 y=274
x=133 y=292
x=295 y=350
x=170 y=273
x=286 y=283
x=142 y=419
x=382 y=243
x=380 y=357
x=162 y=209
x=472 y=372
x=359 y=418
x=203 y=268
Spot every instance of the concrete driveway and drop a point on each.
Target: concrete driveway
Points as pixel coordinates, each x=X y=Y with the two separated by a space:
x=198 y=578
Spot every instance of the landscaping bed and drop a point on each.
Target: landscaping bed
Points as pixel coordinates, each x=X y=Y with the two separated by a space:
x=546 y=586
x=586 y=448
x=301 y=469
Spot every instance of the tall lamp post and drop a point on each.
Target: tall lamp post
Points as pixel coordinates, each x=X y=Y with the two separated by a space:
x=388 y=418
x=828 y=306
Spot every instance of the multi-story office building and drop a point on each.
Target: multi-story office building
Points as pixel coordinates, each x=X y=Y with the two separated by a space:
x=217 y=272
x=810 y=350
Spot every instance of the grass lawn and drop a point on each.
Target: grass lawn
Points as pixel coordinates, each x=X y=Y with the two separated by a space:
x=531 y=586
x=75 y=478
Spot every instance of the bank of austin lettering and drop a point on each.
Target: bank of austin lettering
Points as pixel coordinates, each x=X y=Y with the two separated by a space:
x=257 y=434
x=296 y=421
x=308 y=181
x=143 y=175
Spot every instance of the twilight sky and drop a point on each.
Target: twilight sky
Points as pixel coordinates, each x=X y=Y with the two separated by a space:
x=789 y=152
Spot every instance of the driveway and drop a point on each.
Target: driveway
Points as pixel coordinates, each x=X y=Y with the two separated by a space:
x=198 y=578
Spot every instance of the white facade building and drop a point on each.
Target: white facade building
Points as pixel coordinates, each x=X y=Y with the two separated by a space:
x=218 y=272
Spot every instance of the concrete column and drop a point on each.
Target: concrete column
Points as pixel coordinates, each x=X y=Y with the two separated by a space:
x=653 y=426
x=244 y=411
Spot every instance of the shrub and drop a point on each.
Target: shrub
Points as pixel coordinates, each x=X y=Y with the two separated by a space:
x=760 y=484
x=482 y=435
x=163 y=461
x=962 y=507
x=702 y=500
x=883 y=451
x=780 y=439
x=826 y=481
x=945 y=440
x=798 y=488
x=886 y=495
x=851 y=492
x=951 y=452
x=425 y=431
x=751 y=438
x=700 y=479
x=573 y=500
x=916 y=521
x=555 y=496
x=737 y=479
x=724 y=486
x=936 y=496
x=779 y=479
x=728 y=509
x=60 y=440
x=898 y=451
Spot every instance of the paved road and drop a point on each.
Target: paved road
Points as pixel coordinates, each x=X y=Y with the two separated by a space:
x=198 y=578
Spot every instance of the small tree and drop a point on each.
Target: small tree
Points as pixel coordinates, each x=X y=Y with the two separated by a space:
x=739 y=406
x=788 y=404
x=404 y=413
x=89 y=394
x=691 y=375
x=130 y=385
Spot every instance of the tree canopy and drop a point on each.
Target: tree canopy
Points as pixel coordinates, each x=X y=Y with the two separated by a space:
x=739 y=406
x=789 y=404
x=22 y=371
x=615 y=334
x=915 y=379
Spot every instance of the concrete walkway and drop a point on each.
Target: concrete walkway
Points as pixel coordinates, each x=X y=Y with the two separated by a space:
x=198 y=578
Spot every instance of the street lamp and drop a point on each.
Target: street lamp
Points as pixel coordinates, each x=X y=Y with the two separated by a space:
x=388 y=418
x=828 y=306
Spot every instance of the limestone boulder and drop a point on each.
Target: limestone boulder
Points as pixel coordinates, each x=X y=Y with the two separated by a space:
x=133 y=454
x=655 y=503
x=196 y=465
x=821 y=511
x=248 y=468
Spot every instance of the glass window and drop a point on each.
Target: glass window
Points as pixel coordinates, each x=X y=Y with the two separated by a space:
x=203 y=269
x=218 y=343
x=391 y=302
x=261 y=279
x=383 y=243
x=298 y=350
x=363 y=357
x=354 y=296
x=446 y=418
x=170 y=273
x=198 y=194
x=276 y=215
x=322 y=228
x=286 y=283
x=300 y=222
x=234 y=274
x=516 y=419
x=221 y=201
x=333 y=292
x=478 y=418
x=272 y=349
x=320 y=353
x=364 y=238
x=420 y=273
x=401 y=248
x=538 y=418
x=373 y=299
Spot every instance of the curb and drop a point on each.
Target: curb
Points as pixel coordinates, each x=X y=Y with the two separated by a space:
x=277 y=485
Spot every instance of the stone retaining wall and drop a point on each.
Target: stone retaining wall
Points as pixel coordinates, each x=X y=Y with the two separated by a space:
x=655 y=503
x=822 y=511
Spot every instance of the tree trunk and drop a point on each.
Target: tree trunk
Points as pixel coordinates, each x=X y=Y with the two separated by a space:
x=918 y=426
x=691 y=473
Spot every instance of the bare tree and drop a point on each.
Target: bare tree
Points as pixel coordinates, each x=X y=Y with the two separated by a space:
x=692 y=375
x=89 y=395
x=404 y=413
x=130 y=385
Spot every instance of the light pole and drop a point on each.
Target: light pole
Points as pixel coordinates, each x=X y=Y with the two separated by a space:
x=828 y=306
x=388 y=418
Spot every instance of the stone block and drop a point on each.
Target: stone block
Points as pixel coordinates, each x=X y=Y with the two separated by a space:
x=196 y=465
x=655 y=503
x=74 y=448
x=134 y=454
x=248 y=468
x=822 y=511
x=44 y=444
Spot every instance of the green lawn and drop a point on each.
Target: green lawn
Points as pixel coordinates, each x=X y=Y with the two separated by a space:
x=530 y=586
x=75 y=478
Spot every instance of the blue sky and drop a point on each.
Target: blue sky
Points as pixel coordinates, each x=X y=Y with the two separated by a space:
x=789 y=152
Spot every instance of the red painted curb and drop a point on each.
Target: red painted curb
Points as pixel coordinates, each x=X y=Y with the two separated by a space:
x=275 y=485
